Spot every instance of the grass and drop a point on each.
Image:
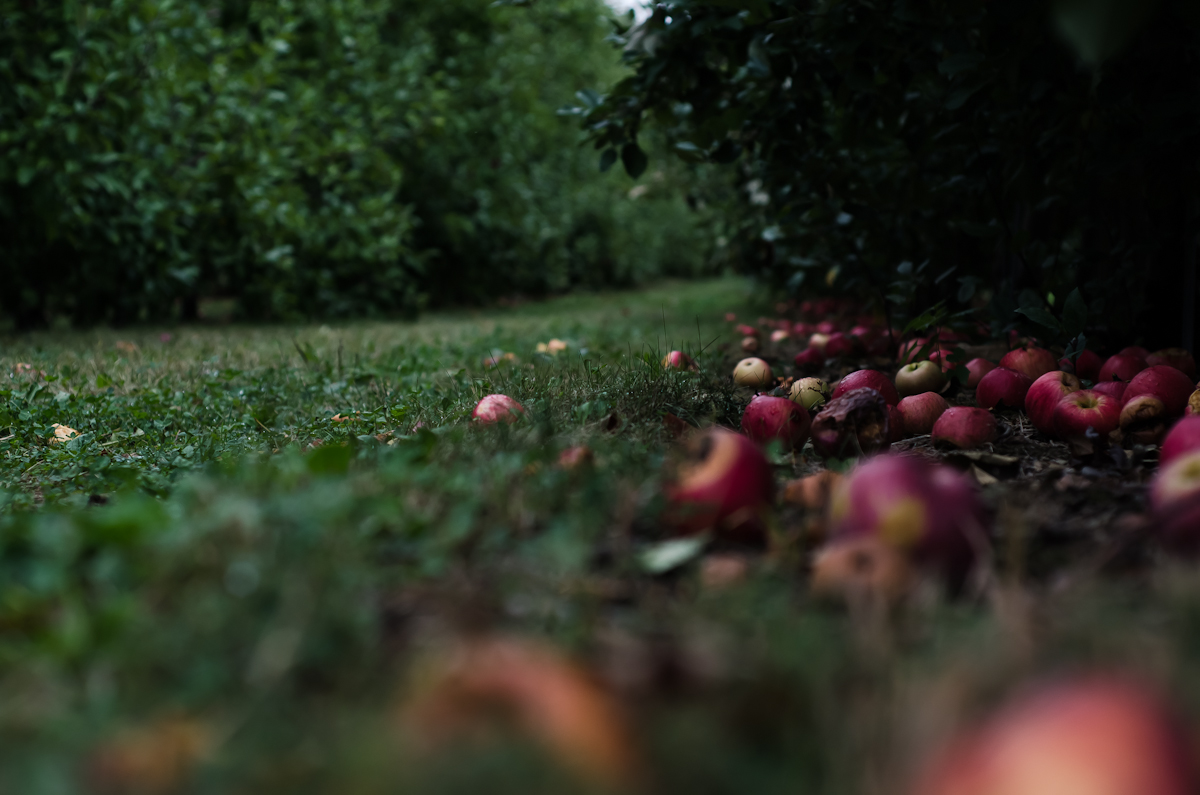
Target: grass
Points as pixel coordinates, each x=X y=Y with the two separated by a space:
x=217 y=572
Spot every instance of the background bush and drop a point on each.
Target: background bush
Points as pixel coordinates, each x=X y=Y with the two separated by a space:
x=310 y=157
x=959 y=151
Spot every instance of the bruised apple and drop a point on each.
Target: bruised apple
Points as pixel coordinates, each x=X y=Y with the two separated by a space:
x=965 y=427
x=769 y=419
x=724 y=486
x=868 y=379
x=1031 y=362
x=1043 y=396
x=752 y=372
x=497 y=408
x=920 y=412
x=1002 y=388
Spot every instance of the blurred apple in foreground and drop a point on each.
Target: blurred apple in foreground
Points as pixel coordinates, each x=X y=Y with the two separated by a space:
x=868 y=379
x=752 y=372
x=725 y=486
x=1043 y=396
x=770 y=418
x=1175 y=502
x=1098 y=736
x=1184 y=437
x=497 y=408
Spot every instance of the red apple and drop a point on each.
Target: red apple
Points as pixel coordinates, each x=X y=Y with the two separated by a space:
x=1086 y=367
x=918 y=377
x=942 y=358
x=809 y=358
x=1178 y=358
x=779 y=335
x=868 y=379
x=826 y=327
x=978 y=368
x=1143 y=421
x=1114 y=389
x=1033 y=363
x=1183 y=438
x=855 y=422
x=497 y=408
x=866 y=334
x=1135 y=350
x=1084 y=409
x=1099 y=735
x=725 y=486
x=1002 y=387
x=1121 y=367
x=965 y=427
x=802 y=330
x=838 y=345
x=768 y=418
x=910 y=350
x=745 y=330
x=919 y=412
x=895 y=424
x=1164 y=382
x=1175 y=502
x=811 y=393
x=1044 y=395
x=678 y=360
x=752 y=372
x=925 y=510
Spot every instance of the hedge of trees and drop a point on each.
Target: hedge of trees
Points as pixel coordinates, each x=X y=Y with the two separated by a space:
x=311 y=158
x=1037 y=161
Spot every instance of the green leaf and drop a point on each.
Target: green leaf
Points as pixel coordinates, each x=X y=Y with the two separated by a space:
x=634 y=160
x=1041 y=316
x=607 y=158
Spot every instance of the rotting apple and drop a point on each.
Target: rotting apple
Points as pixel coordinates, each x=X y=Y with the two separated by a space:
x=868 y=379
x=1086 y=366
x=752 y=372
x=1002 y=388
x=725 y=486
x=811 y=393
x=1031 y=362
x=854 y=422
x=770 y=418
x=1183 y=438
x=1178 y=358
x=1164 y=382
x=918 y=377
x=919 y=412
x=977 y=368
x=1097 y=735
x=497 y=408
x=1121 y=367
x=1175 y=502
x=1193 y=406
x=1143 y=421
x=1114 y=389
x=1084 y=409
x=678 y=360
x=965 y=427
x=1043 y=396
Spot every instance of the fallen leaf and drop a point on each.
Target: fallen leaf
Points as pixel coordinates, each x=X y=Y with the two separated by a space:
x=62 y=433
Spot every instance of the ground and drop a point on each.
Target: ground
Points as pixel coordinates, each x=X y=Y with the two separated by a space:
x=243 y=570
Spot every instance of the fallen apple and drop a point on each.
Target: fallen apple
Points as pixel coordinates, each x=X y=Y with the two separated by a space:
x=497 y=408
x=804 y=330
x=1002 y=388
x=752 y=373
x=918 y=377
x=811 y=393
x=779 y=335
x=725 y=486
x=1043 y=396
x=1143 y=421
x=818 y=341
x=750 y=344
x=826 y=327
x=919 y=412
x=1135 y=350
x=746 y=330
x=838 y=345
x=910 y=351
x=1084 y=409
x=868 y=379
x=977 y=368
x=1175 y=502
x=1164 y=382
x=1099 y=735
x=1086 y=366
x=853 y=423
x=965 y=427
x=1031 y=362
x=809 y=358
x=1121 y=367
x=1183 y=438
x=1178 y=358
x=678 y=360
x=769 y=419
x=1114 y=389
x=895 y=424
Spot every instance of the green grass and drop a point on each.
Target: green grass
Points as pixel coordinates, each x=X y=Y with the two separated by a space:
x=193 y=553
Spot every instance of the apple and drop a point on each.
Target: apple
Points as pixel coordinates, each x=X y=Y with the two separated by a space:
x=1135 y=350
x=926 y=510
x=965 y=427
x=1086 y=367
x=861 y=567
x=977 y=368
x=1031 y=362
x=838 y=345
x=1183 y=438
x=1002 y=387
x=918 y=377
x=1193 y=406
x=895 y=425
x=854 y=422
x=779 y=335
x=752 y=372
x=1044 y=395
x=809 y=358
x=768 y=418
x=1084 y=409
x=868 y=379
x=811 y=392
x=909 y=351
x=678 y=360
x=497 y=408
x=802 y=330
x=826 y=327
x=818 y=341
x=750 y=344
x=725 y=486
x=1175 y=502
x=1143 y=421
x=745 y=330
x=918 y=413
x=1178 y=358
x=1121 y=367
x=866 y=334
x=1164 y=382
x=1114 y=389
x=1096 y=735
